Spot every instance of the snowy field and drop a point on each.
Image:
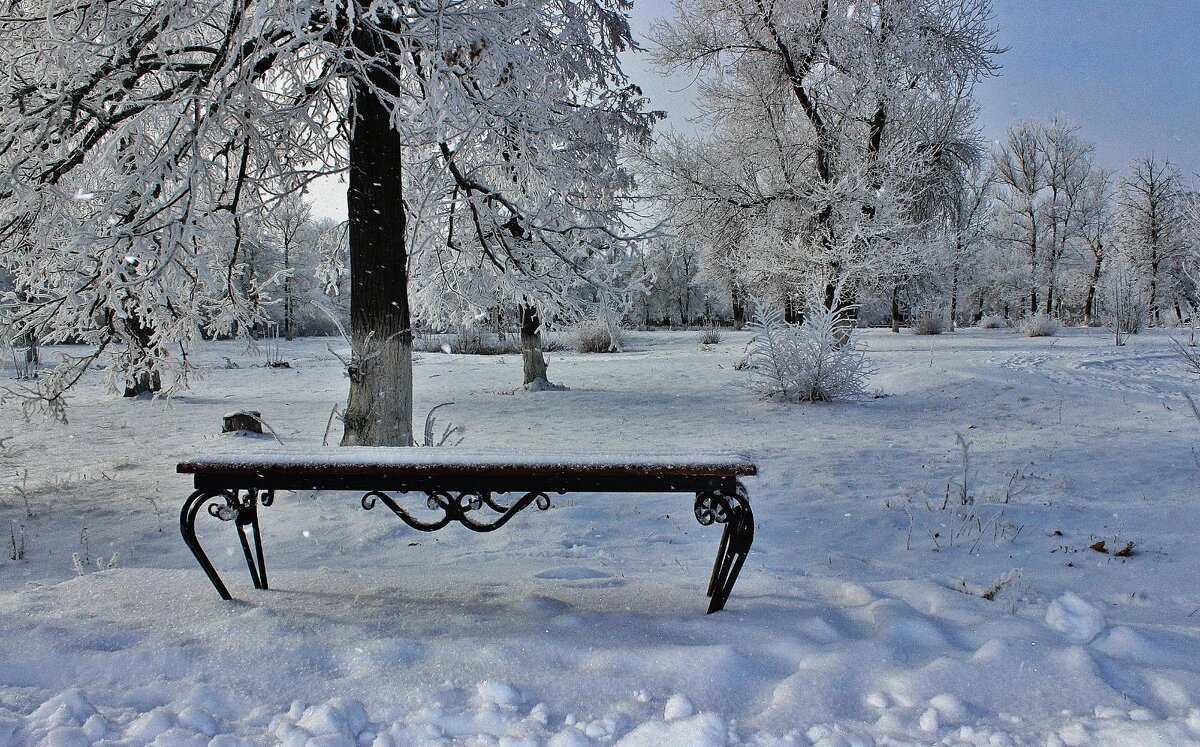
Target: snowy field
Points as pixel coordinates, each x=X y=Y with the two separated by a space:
x=859 y=619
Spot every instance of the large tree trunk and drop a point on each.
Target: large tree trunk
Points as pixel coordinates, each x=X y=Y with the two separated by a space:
x=1090 y=301
x=147 y=382
x=29 y=341
x=954 y=295
x=896 y=309
x=739 y=310
x=379 y=411
x=1033 y=279
x=846 y=310
x=532 y=359
x=1153 y=302
x=289 y=304
x=142 y=334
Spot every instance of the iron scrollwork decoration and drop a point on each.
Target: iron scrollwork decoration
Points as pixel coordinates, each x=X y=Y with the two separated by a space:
x=733 y=511
x=712 y=508
x=459 y=507
x=240 y=507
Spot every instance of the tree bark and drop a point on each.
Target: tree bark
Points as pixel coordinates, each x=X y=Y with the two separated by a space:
x=379 y=410
x=739 y=310
x=289 y=324
x=896 y=309
x=142 y=334
x=29 y=341
x=147 y=382
x=289 y=321
x=954 y=292
x=1089 y=302
x=1153 y=302
x=1033 y=260
x=846 y=312
x=532 y=359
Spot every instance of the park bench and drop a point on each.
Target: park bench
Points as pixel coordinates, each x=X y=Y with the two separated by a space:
x=463 y=485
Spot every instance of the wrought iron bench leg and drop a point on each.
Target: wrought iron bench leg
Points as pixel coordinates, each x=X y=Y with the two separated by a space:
x=248 y=517
x=228 y=506
x=734 y=512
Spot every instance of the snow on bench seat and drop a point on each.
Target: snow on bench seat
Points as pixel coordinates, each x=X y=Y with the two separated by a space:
x=367 y=461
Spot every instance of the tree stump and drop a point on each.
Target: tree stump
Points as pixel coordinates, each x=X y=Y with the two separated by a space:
x=242 y=420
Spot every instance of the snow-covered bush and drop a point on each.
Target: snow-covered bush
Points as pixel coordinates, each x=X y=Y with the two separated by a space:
x=1040 y=325
x=929 y=323
x=709 y=336
x=595 y=335
x=806 y=363
x=993 y=321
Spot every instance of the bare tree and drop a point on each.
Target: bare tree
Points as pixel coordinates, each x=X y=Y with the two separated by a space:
x=968 y=223
x=1023 y=172
x=1069 y=159
x=289 y=225
x=1152 y=225
x=1096 y=219
x=1043 y=172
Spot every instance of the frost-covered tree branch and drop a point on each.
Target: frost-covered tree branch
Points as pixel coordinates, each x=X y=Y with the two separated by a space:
x=142 y=145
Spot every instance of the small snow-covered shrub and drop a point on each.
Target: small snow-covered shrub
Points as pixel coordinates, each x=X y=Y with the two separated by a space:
x=813 y=362
x=1040 y=325
x=595 y=336
x=710 y=336
x=929 y=323
x=993 y=321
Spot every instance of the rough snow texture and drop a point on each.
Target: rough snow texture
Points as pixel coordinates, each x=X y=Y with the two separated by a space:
x=1074 y=618
x=584 y=625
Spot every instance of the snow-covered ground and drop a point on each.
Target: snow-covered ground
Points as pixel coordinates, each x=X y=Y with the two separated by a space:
x=859 y=618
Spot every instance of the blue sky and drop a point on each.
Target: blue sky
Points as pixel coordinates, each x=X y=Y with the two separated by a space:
x=1126 y=71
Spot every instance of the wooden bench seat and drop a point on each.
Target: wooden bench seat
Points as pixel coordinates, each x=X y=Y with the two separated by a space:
x=461 y=485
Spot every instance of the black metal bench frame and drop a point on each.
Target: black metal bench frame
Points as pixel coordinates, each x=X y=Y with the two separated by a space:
x=234 y=491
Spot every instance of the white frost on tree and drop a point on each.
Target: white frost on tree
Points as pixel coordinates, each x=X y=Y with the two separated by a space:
x=829 y=123
x=1152 y=223
x=138 y=140
x=1045 y=178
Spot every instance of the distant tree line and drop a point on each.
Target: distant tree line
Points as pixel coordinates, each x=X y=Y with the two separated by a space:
x=1035 y=226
